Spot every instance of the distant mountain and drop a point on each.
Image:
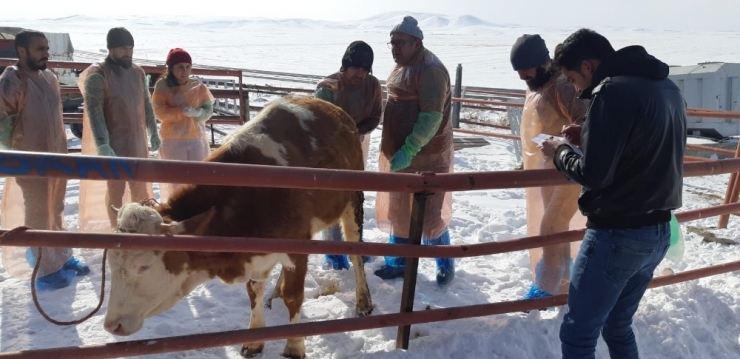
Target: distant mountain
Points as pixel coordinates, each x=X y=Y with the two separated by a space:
x=427 y=21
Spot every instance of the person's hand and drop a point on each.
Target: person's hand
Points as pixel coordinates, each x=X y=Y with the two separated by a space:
x=548 y=148
x=192 y=112
x=401 y=159
x=154 y=143
x=572 y=133
x=106 y=150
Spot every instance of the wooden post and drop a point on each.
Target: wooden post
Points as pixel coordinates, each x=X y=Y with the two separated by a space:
x=458 y=93
x=412 y=264
x=731 y=193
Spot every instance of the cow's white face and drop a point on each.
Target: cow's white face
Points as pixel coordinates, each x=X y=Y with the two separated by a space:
x=141 y=287
x=141 y=284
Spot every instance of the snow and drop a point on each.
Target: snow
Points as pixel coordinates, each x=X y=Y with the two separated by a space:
x=697 y=319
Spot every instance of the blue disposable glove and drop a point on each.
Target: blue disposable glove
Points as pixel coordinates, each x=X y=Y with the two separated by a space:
x=154 y=142
x=402 y=158
x=106 y=150
x=425 y=127
x=6 y=132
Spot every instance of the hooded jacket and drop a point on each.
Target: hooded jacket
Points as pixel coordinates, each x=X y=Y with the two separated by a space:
x=633 y=143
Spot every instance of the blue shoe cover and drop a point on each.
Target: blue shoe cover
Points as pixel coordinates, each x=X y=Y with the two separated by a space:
x=77 y=266
x=59 y=279
x=336 y=261
x=445 y=266
x=396 y=261
x=389 y=272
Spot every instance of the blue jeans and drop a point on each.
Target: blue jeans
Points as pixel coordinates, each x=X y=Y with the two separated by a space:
x=609 y=278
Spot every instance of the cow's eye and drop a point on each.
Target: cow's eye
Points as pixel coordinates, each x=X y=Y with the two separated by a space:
x=143 y=268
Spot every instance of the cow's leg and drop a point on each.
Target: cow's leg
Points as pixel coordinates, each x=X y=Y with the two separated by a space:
x=256 y=290
x=292 y=290
x=277 y=292
x=352 y=220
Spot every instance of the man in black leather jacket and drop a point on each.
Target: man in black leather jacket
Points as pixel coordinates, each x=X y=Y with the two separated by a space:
x=631 y=171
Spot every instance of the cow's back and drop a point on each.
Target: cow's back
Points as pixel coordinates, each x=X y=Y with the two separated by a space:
x=291 y=131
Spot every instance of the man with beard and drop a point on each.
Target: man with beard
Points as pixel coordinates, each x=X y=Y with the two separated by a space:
x=118 y=115
x=358 y=93
x=551 y=104
x=31 y=120
x=417 y=137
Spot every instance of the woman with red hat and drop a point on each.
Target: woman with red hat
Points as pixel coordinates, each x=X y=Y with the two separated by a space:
x=183 y=105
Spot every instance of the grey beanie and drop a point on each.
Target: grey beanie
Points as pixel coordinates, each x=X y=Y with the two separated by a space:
x=409 y=26
x=529 y=51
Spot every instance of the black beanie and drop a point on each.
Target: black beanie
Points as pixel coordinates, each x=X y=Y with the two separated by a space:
x=358 y=54
x=529 y=51
x=119 y=36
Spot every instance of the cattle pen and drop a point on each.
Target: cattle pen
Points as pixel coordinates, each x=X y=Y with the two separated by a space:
x=98 y=168
x=29 y=164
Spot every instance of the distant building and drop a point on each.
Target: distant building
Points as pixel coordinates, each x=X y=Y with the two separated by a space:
x=713 y=86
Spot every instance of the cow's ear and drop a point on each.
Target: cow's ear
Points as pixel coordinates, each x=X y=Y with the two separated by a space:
x=195 y=225
x=169 y=229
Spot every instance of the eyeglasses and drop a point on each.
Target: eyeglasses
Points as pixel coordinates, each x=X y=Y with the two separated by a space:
x=399 y=43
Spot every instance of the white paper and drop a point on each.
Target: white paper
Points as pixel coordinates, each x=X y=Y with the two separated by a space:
x=542 y=137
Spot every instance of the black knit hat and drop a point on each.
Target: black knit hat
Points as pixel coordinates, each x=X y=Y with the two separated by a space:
x=358 y=54
x=529 y=51
x=119 y=36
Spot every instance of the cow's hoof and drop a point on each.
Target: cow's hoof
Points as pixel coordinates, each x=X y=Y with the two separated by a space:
x=252 y=350
x=294 y=349
x=268 y=304
x=294 y=355
x=365 y=310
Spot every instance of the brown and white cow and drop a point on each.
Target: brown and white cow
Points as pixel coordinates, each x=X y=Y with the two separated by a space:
x=292 y=131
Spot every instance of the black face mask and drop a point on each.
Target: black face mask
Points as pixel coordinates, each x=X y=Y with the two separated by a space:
x=541 y=77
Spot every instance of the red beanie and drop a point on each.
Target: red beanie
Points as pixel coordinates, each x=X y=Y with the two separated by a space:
x=178 y=56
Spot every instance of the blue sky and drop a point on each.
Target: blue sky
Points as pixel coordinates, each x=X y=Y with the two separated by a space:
x=654 y=14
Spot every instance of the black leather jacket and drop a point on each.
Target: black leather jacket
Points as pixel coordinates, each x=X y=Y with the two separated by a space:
x=633 y=142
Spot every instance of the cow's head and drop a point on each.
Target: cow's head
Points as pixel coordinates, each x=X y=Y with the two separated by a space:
x=145 y=283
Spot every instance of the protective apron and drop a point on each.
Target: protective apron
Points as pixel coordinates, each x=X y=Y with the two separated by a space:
x=551 y=209
x=35 y=103
x=125 y=118
x=393 y=210
x=183 y=138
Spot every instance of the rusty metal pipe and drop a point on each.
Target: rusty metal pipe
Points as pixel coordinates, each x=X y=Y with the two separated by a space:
x=39 y=164
x=710 y=149
x=484 y=124
x=34 y=238
x=236 y=337
x=490 y=134
x=731 y=193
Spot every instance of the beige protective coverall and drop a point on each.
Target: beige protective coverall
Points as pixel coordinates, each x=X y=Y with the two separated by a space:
x=423 y=85
x=551 y=209
x=183 y=138
x=364 y=103
x=32 y=106
x=125 y=114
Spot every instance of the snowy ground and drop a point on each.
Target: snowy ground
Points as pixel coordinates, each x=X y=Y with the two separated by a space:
x=699 y=319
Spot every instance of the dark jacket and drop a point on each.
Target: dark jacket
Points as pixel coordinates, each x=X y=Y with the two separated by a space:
x=633 y=142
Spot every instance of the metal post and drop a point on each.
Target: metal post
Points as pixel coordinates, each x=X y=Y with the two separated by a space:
x=412 y=264
x=514 y=115
x=458 y=94
x=730 y=194
x=243 y=105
